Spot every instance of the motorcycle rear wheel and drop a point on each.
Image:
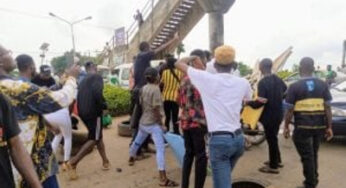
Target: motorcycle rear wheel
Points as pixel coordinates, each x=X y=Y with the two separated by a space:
x=255 y=137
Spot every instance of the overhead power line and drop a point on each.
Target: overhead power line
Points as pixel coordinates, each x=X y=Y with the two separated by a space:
x=11 y=11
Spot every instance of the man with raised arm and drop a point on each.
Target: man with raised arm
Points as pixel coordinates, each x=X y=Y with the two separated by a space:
x=30 y=102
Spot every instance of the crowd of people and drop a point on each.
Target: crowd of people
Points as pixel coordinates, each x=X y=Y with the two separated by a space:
x=32 y=107
x=200 y=96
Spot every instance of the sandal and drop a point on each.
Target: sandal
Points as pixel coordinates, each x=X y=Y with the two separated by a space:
x=72 y=172
x=269 y=170
x=106 y=166
x=64 y=167
x=169 y=183
x=131 y=161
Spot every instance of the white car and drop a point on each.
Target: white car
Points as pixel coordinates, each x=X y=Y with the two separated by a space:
x=338 y=92
x=122 y=72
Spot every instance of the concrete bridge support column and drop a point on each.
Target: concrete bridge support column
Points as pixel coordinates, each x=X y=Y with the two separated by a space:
x=216 y=30
x=216 y=10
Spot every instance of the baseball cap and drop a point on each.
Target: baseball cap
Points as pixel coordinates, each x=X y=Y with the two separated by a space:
x=45 y=69
x=224 y=55
x=151 y=73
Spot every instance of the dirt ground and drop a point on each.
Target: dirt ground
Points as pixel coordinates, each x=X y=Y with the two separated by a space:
x=144 y=174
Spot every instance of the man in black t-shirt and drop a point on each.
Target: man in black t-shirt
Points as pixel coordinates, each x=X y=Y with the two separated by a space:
x=309 y=100
x=11 y=145
x=91 y=104
x=144 y=57
x=271 y=91
x=44 y=79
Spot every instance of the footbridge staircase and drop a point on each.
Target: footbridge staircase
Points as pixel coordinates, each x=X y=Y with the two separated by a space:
x=161 y=20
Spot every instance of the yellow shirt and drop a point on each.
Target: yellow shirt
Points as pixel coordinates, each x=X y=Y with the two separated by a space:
x=171 y=85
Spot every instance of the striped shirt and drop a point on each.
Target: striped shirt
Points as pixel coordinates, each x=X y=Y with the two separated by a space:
x=171 y=84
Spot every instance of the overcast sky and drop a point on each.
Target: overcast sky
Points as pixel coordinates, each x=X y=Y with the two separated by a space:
x=256 y=28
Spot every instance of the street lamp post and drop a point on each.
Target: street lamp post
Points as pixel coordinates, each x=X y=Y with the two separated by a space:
x=71 y=24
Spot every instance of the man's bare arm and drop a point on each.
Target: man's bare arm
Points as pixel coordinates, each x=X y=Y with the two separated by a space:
x=23 y=162
x=288 y=118
x=162 y=47
x=181 y=64
x=328 y=112
x=329 y=131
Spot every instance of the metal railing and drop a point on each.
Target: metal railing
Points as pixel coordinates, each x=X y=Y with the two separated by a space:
x=134 y=27
x=145 y=11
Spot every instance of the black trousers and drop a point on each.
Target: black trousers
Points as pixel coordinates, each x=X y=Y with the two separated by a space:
x=172 y=111
x=195 y=149
x=271 y=129
x=307 y=143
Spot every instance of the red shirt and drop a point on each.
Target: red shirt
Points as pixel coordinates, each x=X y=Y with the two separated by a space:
x=190 y=101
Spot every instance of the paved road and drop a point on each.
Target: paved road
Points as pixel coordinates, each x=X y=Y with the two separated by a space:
x=332 y=165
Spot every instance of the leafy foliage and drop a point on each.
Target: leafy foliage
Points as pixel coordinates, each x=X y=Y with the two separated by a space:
x=244 y=69
x=180 y=49
x=284 y=74
x=118 y=99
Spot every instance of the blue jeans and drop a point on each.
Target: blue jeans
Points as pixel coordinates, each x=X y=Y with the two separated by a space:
x=157 y=135
x=51 y=182
x=224 y=150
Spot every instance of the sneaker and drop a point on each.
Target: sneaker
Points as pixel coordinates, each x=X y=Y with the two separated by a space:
x=267 y=169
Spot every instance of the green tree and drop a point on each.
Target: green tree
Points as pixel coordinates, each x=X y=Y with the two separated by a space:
x=60 y=63
x=295 y=68
x=180 y=49
x=244 y=69
x=284 y=74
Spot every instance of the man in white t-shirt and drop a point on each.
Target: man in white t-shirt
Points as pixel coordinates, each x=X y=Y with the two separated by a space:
x=222 y=96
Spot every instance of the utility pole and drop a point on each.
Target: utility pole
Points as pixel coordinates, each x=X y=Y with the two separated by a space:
x=343 y=63
x=71 y=24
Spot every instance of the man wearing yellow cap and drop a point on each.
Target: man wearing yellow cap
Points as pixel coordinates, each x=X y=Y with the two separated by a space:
x=222 y=96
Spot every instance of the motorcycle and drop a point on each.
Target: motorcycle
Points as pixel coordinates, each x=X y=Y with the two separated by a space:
x=252 y=128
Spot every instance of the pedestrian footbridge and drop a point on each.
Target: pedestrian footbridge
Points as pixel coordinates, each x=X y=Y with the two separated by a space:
x=162 y=19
